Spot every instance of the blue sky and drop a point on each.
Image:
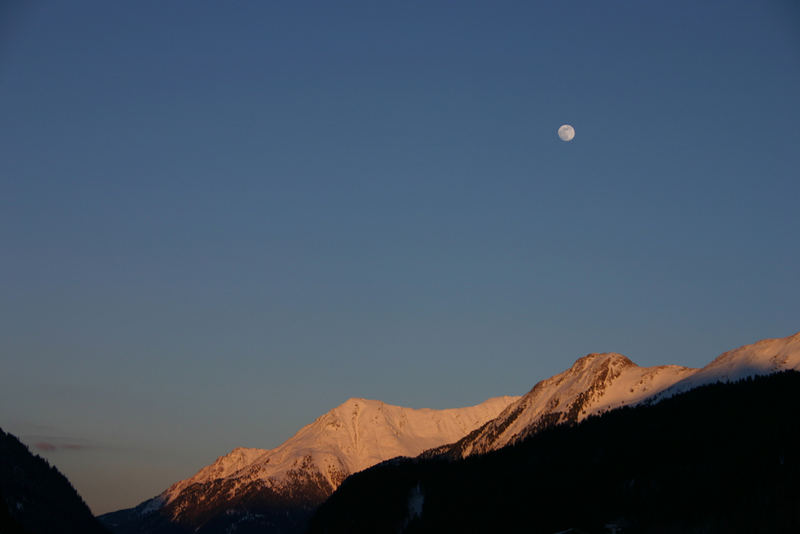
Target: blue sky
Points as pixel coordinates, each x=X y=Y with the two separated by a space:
x=218 y=221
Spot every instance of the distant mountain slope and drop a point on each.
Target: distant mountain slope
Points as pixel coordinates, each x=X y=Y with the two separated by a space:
x=719 y=458
x=760 y=358
x=35 y=498
x=595 y=383
x=598 y=382
x=278 y=488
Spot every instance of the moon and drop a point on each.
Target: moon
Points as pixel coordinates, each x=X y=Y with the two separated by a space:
x=566 y=132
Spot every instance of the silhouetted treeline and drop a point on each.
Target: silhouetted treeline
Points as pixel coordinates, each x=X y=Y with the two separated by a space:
x=720 y=458
x=35 y=498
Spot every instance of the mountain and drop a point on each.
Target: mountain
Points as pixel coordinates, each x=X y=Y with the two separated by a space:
x=721 y=457
x=599 y=382
x=277 y=489
x=595 y=383
x=761 y=358
x=36 y=498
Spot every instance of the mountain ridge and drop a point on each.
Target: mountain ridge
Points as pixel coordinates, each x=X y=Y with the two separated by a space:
x=301 y=472
x=594 y=383
x=765 y=356
x=293 y=478
x=722 y=457
x=599 y=382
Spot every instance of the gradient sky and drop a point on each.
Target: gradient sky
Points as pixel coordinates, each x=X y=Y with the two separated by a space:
x=221 y=219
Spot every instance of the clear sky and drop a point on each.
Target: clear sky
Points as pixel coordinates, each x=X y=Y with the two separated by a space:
x=221 y=219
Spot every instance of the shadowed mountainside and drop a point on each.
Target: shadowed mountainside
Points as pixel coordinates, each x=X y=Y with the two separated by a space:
x=719 y=458
x=36 y=498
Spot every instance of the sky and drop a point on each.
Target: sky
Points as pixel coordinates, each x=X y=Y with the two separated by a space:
x=219 y=220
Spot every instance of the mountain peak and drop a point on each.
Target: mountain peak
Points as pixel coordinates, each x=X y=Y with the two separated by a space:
x=359 y=403
x=595 y=360
x=599 y=382
x=595 y=383
x=361 y=432
x=355 y=401
x=307 y=467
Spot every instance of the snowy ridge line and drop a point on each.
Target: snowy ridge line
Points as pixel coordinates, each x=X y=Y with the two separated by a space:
x=761 y=358
x=359 y=433
x=603 y=381
x=353 y=436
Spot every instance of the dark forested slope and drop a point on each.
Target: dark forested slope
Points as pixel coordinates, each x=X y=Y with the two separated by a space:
x=720 y=458
x=36 y=498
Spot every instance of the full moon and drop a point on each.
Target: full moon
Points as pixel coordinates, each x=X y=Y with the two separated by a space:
x=566 y=132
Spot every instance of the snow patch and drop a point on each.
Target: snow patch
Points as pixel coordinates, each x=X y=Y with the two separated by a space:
x=415 y=503
x=152 y=505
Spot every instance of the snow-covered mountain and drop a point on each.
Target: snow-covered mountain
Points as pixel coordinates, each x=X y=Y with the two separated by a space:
x=278 y=488
x=599 y=382
x=761 y=358
x=595 y=383
x=305 y=469
x=351 y=437
x=720 y=458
